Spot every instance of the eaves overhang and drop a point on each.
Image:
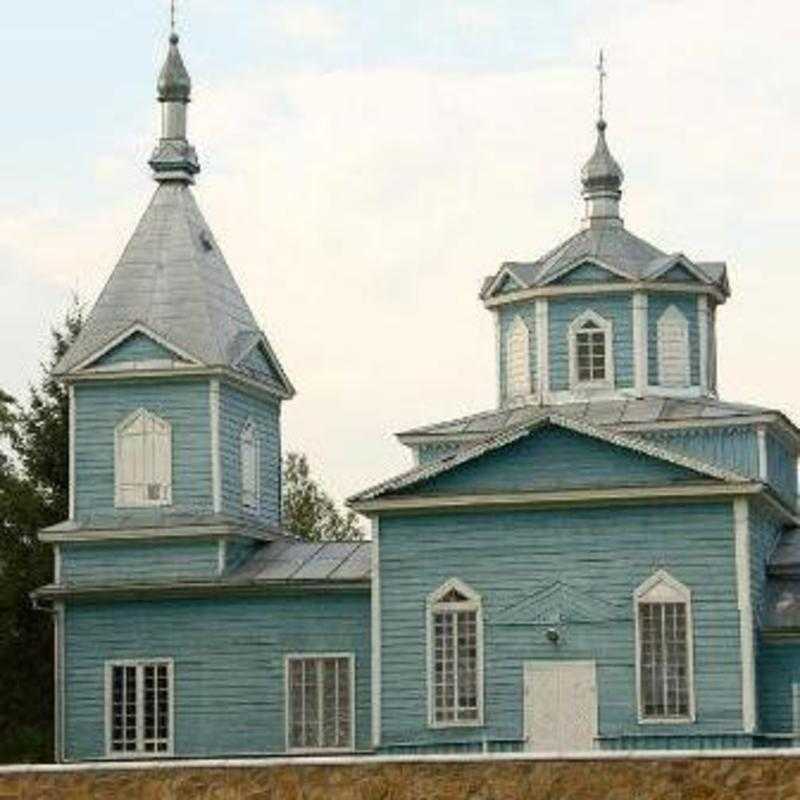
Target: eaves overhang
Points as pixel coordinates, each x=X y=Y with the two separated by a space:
x=199 y=588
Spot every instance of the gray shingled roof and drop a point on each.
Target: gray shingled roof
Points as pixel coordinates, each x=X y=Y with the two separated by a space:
x=296 y=560
x=172 y=279
x=603 y=413
x=612 y=245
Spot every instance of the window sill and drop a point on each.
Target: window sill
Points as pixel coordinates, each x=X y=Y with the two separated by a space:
x=667 y=720
x=306 y=751
x=456 y=724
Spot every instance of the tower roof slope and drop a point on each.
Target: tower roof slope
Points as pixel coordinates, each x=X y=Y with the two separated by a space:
x=172 y=280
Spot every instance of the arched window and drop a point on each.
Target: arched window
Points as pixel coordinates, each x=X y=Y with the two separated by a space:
x=455 y=656
x=591 y=360
x=250 y=457
x=518 y=359
x=673 y=349
x=664 y=650
x=143 y=462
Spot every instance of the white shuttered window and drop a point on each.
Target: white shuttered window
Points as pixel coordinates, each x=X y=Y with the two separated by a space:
x=250 y=459
x=139 y=704
x=518 y=359
x=664 y=650
x=143 y=461
x=674 y=368
x=455 y=656
x=320 y=702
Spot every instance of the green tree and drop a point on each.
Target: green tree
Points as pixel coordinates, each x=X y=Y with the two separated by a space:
x=34 y=493
x=308 y=511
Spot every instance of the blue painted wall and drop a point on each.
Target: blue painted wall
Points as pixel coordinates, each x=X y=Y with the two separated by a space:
x=657 y=304
x=229 y=664
x=562 y=311
x=138 y=561
x=101 y=406
x=136 y=347
x=257 y=362
x=236 y=407
x=778 y=672
x=506 y=315
x=554 y=458
x=602 y=554
x=734 y=447
x=782 y=468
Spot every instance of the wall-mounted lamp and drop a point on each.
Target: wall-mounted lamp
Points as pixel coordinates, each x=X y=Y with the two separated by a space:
x=552 y=635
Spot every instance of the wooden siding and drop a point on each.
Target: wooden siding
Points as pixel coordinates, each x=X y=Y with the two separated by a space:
x=782 y=469
x=507 y=314
x=588 y=273
x=778 y=675
x=678 y=274
x=238 y=549
x=617 y=309
x=236 y=407
x=765 y=530
x=111 y=562
x=137 y=347
x=426 y=453
x=601 y=555
x=657 y=304
x=229 y=664
x=257 y=361
x=100 y=407
x=734 y=447
x=554 y=458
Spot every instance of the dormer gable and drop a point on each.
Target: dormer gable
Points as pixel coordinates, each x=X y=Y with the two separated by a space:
x=137 y=348
x=588 y=271
x=259 y=362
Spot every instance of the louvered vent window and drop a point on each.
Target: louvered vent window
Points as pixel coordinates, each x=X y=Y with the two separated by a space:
x=665 y=663
x=455 y=642
x=139 y=702
x=518 y=361
x=591 y=349
x=143 y=461
x=320 y=702
x=250 y=456
x=674 y=369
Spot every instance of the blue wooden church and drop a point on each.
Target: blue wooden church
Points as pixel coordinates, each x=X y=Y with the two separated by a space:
x=608 y=559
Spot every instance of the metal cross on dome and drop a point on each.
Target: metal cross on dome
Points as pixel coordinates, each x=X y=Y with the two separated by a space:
x=601 y=75
x=172 y=16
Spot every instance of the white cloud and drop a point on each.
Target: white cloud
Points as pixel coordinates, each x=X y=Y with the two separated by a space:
x=360 y=210
x=307 y=21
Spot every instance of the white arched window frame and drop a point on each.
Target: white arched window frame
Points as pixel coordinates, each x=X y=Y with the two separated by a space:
x=250 y=462
x=664 y=650
x=455 y=656
x=674 y=368
x=518 y=359
x=591 y=355
x=143 y=461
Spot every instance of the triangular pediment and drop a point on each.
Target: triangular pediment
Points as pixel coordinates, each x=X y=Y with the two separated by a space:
x=559 y=603
x=678 y=274
x=260 y=363
x=136 y=349
x=587 y=271
x=503 y=283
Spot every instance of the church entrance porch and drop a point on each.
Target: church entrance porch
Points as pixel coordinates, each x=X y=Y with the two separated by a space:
x=560 y=706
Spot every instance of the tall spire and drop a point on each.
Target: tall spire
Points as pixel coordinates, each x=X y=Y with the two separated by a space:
x=174 y=159
x=601 y=176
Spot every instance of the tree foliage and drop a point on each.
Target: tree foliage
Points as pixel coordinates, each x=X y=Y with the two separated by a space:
x=308 y=511
x=34 y=493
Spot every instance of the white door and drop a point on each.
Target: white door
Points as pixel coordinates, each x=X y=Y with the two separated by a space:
x=560 y=706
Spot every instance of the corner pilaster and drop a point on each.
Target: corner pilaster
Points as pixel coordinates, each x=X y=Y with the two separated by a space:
x=640 y=355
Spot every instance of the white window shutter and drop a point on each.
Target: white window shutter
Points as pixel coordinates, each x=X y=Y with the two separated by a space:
x=518 y=362
x=249 y=448
x=674 y=369
x=143 y=461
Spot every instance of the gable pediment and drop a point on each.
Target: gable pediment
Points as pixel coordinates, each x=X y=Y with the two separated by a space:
x=136 y=348
x=587 y=271
x=678 y=274
x=557 y=604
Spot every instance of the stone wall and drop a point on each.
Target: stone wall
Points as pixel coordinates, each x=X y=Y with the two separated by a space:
x=640 y=778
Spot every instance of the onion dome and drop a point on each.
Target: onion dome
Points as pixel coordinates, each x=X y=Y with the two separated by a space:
x=601 y=178
x=174 y=83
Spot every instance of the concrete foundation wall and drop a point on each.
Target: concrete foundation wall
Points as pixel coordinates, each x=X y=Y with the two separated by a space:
x=640 y=777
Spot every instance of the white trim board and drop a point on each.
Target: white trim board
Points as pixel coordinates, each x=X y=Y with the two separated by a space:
x=216 y=459
x=741 y=524
x=73 y=406
x=375 y=611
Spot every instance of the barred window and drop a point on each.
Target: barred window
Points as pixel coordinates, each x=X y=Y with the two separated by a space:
x=590 y=356
x=455 y=656
x=664 y=655
x=320 y=702
x=139 y=707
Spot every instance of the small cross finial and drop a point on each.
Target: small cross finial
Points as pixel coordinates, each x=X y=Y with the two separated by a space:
x=601 y=76
x=172 y=16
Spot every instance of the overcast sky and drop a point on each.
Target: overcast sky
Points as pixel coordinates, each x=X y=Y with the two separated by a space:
x=366 y=163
